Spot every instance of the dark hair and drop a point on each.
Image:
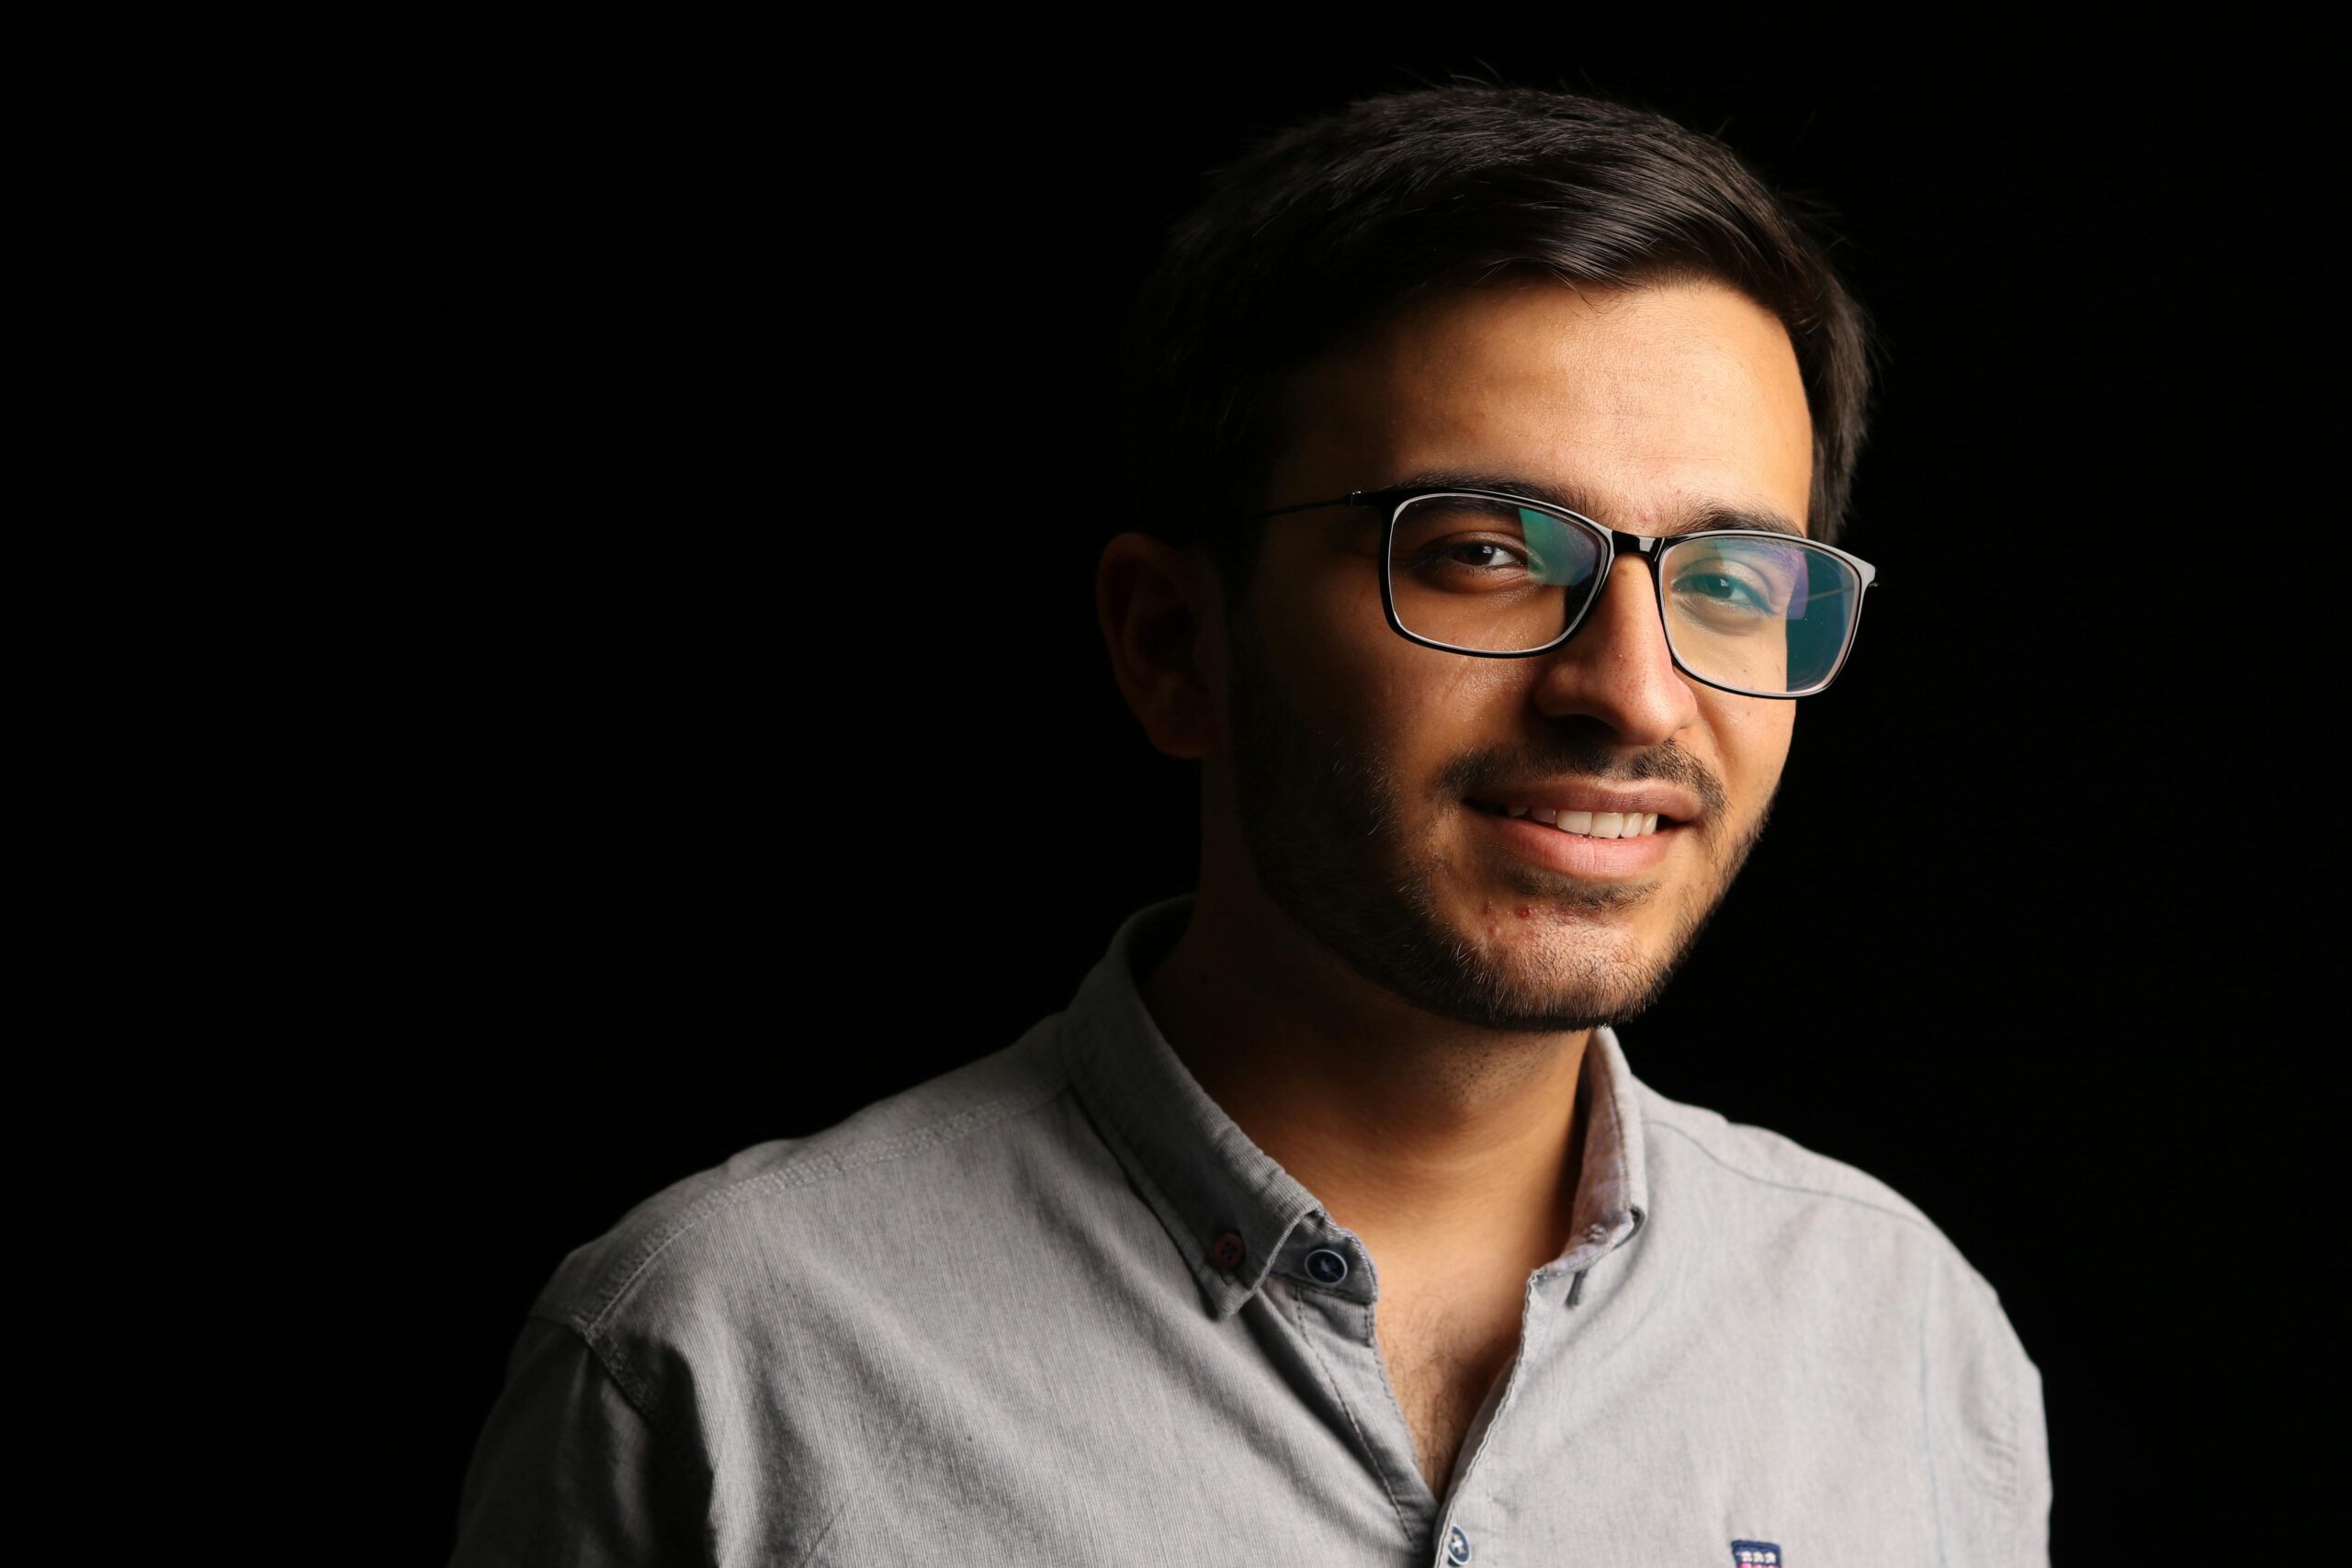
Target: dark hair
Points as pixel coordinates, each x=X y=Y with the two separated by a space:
x=1313 y=232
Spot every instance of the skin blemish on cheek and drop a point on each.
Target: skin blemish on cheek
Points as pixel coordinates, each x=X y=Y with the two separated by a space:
x=1525 y=912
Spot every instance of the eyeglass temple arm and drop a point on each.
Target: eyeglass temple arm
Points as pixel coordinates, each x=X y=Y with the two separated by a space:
x=1354 y=498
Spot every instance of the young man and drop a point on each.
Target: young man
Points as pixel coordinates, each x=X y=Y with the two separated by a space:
x=1493 y=446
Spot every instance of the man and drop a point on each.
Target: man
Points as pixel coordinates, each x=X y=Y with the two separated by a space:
x=1494 y=445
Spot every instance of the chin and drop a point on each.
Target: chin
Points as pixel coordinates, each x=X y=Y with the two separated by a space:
x=1562 y=966
x=1570 y=986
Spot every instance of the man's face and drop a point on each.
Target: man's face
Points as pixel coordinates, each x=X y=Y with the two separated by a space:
x=1373 y=778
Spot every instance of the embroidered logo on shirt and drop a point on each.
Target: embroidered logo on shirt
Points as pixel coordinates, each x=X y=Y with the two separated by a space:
x=1755 y=1554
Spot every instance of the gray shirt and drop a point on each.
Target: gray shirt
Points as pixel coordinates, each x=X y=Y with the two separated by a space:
x=1055 y=1307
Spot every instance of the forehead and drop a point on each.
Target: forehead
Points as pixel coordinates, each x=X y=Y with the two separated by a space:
x=1657 y=403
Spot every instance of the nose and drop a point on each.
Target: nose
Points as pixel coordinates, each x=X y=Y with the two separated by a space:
x=1616 y=670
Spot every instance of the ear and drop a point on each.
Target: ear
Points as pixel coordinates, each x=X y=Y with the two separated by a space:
x=1163 y=617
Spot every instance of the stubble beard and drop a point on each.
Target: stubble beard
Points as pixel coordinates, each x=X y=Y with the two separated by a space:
x=1326 y=827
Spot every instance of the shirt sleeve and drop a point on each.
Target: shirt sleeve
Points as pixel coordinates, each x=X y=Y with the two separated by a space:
x=569 y=1472
x=1986 y=1425
x=2033 y=1472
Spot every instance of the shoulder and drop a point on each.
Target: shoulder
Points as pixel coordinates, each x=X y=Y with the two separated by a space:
x=1755 y=1187
x=1757 y=1162
x=792 y=1206
x=1814 y=1223
x=1861 y=1264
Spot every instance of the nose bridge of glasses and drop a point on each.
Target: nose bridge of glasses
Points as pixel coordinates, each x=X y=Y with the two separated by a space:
x=1642 y=548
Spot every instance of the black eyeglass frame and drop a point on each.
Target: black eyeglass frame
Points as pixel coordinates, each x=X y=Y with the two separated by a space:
x=1651 y=547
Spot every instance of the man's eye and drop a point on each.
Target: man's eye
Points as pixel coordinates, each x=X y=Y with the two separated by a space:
x=1711 y=585
x=1464 y=562
x=1483 y=552
x=1720 y=591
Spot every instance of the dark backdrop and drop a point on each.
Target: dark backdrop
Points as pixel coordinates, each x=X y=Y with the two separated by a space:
x=693 y=855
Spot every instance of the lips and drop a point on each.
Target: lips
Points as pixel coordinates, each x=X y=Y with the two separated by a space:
x=1586 y=856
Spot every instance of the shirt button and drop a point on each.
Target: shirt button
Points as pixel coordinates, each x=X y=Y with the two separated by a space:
x=1326 y=1266
x=1227 y=1252
x=1457 y=1545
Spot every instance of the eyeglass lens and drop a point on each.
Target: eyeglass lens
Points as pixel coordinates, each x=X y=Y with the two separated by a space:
x=1759 y=614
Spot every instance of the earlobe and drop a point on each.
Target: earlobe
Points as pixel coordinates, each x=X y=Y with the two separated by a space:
x=1158 y=609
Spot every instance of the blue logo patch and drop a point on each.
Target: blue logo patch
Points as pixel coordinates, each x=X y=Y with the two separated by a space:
x=1755 y=1554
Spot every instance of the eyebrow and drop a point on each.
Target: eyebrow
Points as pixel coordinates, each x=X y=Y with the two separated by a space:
x=1571 y=498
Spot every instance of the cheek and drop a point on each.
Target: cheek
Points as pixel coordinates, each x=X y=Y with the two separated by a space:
x=1752 y=738
x=1408 y=706
x=1335 y=641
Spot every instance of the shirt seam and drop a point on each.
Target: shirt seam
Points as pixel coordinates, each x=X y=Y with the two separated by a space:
x=634 y=1395
x=1380 y=1357
x=639 y=1398
x=1363 y=1444
x=1916 y=1221
x=590 y=1318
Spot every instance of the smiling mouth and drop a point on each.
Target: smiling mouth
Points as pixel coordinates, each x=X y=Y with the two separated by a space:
x=1586 y=824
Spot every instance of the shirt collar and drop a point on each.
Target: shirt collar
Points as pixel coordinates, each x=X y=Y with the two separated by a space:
x=1211 y=1186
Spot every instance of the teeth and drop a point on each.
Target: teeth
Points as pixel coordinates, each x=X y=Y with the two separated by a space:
x=1591 y=824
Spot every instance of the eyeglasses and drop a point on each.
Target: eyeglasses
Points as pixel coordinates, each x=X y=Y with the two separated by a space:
x=1496 y=576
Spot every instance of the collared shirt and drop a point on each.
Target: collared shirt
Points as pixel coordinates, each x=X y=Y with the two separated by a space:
x=1056 y=1307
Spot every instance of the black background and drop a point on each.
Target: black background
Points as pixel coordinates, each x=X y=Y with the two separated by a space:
x=688 y=859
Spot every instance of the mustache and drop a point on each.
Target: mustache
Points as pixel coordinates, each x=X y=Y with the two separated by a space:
x=1576 y=754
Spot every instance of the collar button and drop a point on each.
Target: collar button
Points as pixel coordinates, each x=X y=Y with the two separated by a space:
x=1328 y=1267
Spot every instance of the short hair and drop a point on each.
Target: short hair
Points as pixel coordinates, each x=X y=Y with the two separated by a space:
x=1315 y=229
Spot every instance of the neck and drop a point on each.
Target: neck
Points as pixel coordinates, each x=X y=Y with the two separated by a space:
x=1422 y=1135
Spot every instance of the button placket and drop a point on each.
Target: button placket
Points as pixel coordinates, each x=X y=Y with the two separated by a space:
x=1336 y=1331
x=1470 y=1479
